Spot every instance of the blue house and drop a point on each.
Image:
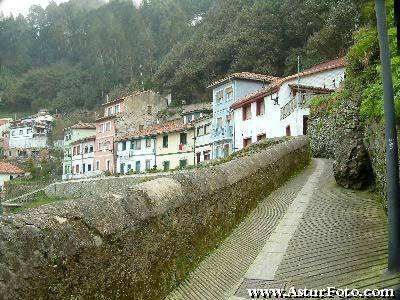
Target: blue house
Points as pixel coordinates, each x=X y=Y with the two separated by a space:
x=225 y=92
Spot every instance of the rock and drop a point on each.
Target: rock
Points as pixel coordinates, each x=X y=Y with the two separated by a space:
x=352 y=167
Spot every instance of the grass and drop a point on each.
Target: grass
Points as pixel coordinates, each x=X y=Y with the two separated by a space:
x=40 y=199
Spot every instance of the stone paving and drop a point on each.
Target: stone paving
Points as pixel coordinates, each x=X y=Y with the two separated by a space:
x=310 y=232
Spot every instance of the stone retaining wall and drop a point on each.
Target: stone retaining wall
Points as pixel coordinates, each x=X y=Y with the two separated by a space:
x=138 y=245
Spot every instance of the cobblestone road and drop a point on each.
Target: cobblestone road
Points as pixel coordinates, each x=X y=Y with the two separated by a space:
x=333 y=237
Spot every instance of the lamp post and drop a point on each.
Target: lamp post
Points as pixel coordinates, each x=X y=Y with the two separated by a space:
x=392 y=166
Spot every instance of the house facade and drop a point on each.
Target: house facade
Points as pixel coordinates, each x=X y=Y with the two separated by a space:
x=8 y=172
x=225 y=92
x=73 y=134
x=29 y=136
x=136 y=153
x=82 y=159
x=174 y=145
x=282 y=108
x=203 y=142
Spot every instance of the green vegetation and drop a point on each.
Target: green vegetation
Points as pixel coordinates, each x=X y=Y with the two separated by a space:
x=40 y=199
x=69 y=56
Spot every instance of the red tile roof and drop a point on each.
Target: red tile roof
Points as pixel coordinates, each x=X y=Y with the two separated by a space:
x=7 y=168
x=202 y=106
x=245 y=76
x=171 y=126
x=274 y=87
x=81 y=125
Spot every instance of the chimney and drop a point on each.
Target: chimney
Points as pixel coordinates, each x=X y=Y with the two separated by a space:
x=107 y=98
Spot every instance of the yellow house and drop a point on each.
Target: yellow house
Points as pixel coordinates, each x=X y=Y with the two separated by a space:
x=174 y=145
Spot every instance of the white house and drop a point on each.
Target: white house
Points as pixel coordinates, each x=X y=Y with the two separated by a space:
x=29 y=135
x=203 y=141
x=8 y=172
x=136 y=151
x=282 y=108
x=83 y=158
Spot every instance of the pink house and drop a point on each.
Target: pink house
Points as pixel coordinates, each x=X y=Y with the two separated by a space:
x=105 y=136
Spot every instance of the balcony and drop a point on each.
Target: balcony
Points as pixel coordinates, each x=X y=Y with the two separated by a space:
x=222 y=133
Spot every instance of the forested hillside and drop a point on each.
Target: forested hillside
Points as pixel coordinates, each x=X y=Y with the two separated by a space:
x=69 y=56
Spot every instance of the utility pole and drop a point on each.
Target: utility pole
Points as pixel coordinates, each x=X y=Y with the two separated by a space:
x=392 y=163
x=298 y=94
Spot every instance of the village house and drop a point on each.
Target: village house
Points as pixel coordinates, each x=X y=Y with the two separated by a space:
x=203 y=142
x=8 y=172
x=225 y=92
x=282 y=108
x=127 y=114
x=174 y=145
x=73 y=134
x=83 y=158
x=28 y=136
x=136 y=151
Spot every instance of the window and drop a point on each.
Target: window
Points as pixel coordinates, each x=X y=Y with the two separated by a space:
x=148 y=164
x=148 y=143
x=74 y=151
x=89 y=167
x=219 y=122
x=260 y=108
x=66 y=170
x=97 y=165
x=165 y=141
x=29 y=130
x=129 y=167
x=137 y=166
x=166 y=166
x=86 y=150
x=207 y=128
x=108 y=165
x=108 y=126
x=189 y=118
x=229 y=92
x=246 y=142
x=123 y=145
x=182 y=163
x=77 y=169
x=122 y=168
x=101 y=128
x=21 y=131
x=207 y=155
x=136 y=144
x=261 y=137
x=78 y=150
x=109 y=111
x=183 y=138
x=199 y=131
x=116 y=109
x=219 y=96
x=288 y=133
x=83 y=168
x=90 y=148
x=141 y=127
x=149 y=109
x=246 y=112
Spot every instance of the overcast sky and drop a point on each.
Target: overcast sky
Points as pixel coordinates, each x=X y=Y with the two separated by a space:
x=22 y=6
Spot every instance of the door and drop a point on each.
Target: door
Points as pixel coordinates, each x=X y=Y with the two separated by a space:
x=288 y=133
x=198 y=157
x=137 y=166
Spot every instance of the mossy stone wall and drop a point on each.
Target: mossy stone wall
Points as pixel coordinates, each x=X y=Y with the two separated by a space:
x=140 y=245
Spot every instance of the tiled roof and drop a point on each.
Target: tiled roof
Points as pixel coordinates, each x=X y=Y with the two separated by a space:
x=106 y=117
x=127 y=96
x=85 y=139
x=245 y=76
x=310 y=87
x=272 y=88
x=7 y=168
x=203 y=106
x=81 y=125
x=171 y=126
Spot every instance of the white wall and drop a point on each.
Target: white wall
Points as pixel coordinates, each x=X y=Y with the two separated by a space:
x=270 y=123
x=130 y=157
x=22 y=137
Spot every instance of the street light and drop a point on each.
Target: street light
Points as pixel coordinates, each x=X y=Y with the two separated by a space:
x=392 y=165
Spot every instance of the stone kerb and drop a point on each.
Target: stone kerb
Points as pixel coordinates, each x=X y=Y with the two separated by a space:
x=143 y=242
